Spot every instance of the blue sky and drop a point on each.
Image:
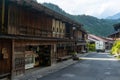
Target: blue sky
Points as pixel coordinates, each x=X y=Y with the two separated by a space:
x=97 y=8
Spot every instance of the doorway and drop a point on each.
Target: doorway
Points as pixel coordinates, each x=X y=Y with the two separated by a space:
x=5 y=58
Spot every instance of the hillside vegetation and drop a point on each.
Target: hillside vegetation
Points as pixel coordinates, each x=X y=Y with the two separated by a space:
x=93 y=25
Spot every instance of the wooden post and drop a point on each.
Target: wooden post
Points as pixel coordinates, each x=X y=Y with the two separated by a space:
x=9 y=21
x=3 y=15
x=13 y=56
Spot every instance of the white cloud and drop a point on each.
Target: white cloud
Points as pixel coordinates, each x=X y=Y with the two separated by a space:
x=98 y=8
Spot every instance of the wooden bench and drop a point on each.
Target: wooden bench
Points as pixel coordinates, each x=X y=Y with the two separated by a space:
x=64 y=58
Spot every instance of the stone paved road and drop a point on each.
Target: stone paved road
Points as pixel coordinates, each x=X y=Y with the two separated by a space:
x=95 y=66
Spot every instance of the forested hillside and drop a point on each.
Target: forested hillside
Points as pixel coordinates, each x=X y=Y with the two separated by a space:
x=93 y=25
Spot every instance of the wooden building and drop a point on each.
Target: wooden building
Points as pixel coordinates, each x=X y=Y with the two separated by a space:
x=116 y=34
x=108 y=41
x=81 y=36
x=32 y=35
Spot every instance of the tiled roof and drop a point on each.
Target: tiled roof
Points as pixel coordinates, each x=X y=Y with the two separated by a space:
x=40 y=8
x=96 y=38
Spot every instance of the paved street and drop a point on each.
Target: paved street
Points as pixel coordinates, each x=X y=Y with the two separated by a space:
x=95 y=66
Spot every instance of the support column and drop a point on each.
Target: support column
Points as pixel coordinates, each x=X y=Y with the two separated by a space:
x=13 y=57
x=3 y=15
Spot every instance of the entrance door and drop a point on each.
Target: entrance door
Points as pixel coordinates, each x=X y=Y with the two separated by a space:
x=45 y=55
x=5 y=58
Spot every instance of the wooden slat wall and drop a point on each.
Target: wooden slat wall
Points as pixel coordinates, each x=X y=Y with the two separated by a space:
x=26 y=22
x=0 y=13
x=19 y=63
x=61 y=51
x=49 y=27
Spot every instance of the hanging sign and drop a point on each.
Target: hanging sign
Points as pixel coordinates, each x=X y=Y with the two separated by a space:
x=5 y=53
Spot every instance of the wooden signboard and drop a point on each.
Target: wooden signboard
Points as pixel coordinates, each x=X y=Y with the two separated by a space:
x=29 y=59
x=5 y=53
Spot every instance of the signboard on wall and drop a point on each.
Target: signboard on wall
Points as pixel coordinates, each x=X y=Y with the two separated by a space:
x=29 y=59
x=5 y=53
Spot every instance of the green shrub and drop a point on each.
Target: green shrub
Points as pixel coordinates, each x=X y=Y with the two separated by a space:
x=91 y=46
x=116 y=48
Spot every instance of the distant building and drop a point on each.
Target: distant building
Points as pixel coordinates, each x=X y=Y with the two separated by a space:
x=108 y=41
x=116 y=34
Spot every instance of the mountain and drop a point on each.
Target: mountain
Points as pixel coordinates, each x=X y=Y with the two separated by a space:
x=116 y=16
x=99 y=27
x=93 y=25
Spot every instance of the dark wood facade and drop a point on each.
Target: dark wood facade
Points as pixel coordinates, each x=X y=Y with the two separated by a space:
x=5 y=57
x=23 y=21
x=5 y=44
x=81 y=37
x=32 y=33
x=0 y=13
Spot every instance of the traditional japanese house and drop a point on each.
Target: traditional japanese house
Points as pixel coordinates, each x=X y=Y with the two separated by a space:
x=80 y=35
x=116 y=34
x=93 y=38
x=32 y=35
x=115 y=50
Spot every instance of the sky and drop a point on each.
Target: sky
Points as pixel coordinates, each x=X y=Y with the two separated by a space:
x=96 y=8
